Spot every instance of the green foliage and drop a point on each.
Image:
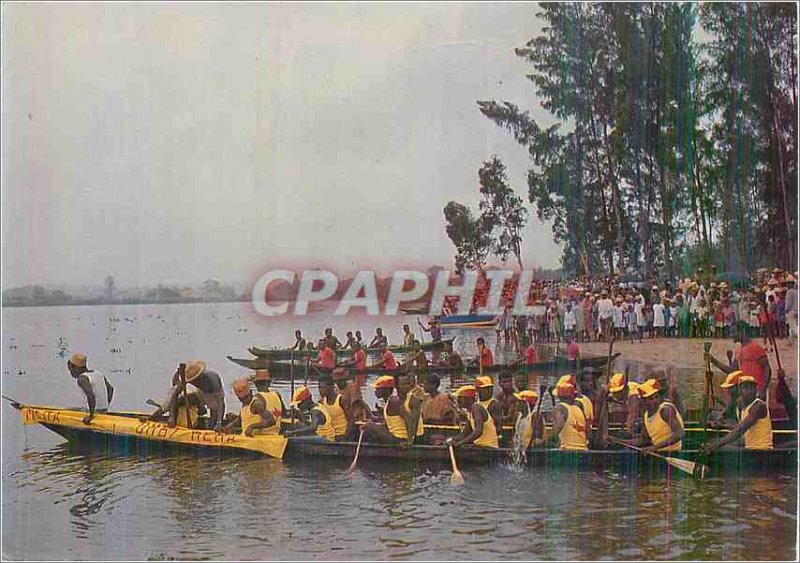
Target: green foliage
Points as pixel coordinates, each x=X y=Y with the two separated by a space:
x=501 y=210
x=470 y=235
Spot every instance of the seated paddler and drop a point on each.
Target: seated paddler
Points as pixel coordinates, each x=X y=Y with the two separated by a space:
x=255 y=418
x=400 y=426
x=337 y=406
x=320 y=425
x=480 y=429
x=569 y=421
x=209 y=393
x=531 y=421
x=262 y=379
x=623 y=393
x=754 y=429
x=359 y=410
x=663 y=425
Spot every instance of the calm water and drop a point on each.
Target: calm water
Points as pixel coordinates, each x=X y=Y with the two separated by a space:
x=59 y=502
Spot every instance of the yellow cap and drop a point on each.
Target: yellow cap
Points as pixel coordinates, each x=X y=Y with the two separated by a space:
x=78 y=360
x=483 y=381
x=648 y=388
x=735 y=378
x=384 y=382
x=527 y=395
x=301 y=395
x=465 y=391
x=567 y=379
x=633 y=388
x=616 y=383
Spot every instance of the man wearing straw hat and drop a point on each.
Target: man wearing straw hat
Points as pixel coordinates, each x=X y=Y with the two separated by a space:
x=209 y=390
x=94 y=385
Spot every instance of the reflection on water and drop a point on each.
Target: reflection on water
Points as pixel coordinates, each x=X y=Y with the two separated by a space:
x=64 y=502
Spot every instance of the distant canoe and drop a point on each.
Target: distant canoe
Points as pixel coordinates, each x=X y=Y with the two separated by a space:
x=283 y=369
x=468 y=321
x=276 y=354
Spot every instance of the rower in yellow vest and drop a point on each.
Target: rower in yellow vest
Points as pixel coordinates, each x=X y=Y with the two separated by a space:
x=484 y=386
x=624 y=392
x=411 y=396
x=254 y=417
x=321 y=424
x=262 y=380
x=336 y=405
x=663 y=424
x=755 y=426
x=569 y=421
x=480 y=429
x=394 y=429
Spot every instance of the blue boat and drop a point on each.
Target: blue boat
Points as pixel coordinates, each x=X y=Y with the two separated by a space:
x=468 y=321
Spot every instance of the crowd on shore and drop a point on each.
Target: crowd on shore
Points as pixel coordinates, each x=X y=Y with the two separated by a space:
x=695 y=307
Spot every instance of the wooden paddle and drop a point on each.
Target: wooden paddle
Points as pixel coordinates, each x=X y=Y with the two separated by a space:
x=182 y=373
x=603 y=410
x=695 y=469
x=358 y=450
x=291 y=375
x=457 y=478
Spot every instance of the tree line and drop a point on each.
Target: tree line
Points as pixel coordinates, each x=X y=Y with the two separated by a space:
x=674 y=144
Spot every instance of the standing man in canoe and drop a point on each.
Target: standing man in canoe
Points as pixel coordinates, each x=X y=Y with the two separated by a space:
x=326 y=358
x=408 y=336
x=208 y=388
x=751 y=358
x=379 y=340
x=480 y=430
x=434 y=328
x=255 y=418
x=394 y=429
x=321 y=424
x=570 y=426
x=299 y=342
x=262 y=380
x=663 y=424
x=94 y=385
x=755 y=426
x=485 y=357
x=332 y=342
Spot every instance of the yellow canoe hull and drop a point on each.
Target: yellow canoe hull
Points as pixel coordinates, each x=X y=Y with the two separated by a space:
x=130 y=425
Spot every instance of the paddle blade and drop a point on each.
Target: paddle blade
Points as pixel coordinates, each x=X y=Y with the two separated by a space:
x=682 y=464
x=457 y=479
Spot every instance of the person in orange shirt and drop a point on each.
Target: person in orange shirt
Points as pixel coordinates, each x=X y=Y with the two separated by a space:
x=387 y=361
x=751 y=358
x=326 y=359
x=529 y=357
x=485 y=356
x=358 y=361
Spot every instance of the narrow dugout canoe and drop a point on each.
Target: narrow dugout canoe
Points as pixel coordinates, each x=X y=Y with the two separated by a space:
x=559 y=363
x=276 y=354
x=468 y=321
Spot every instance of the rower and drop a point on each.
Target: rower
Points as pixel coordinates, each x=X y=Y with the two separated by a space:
x=299 y=342
x=755 y=426
x=332 y=342
x=387 y=361
x=210 y=394
x=326 y=359
x=94 y=385
x=255 y=418
x=359 y=338
x=624 y=392
x=320 y=426
x=584 y=402
x=668 y=390
x=529 y=358
x=411 y=395
x=262 y=380
x=485 y=356
x=451 y=358
x=408 y=336
x=358 y=360
x=379 y=340
x=350 y=391
x=663 y=424
x=751 y=358
x=485 y=389
x=416 y=358
x=393 y=430
x=480 y=430
x=506 y=397
x=434 y=328
x=350 y=341
x=534 y=428
x=337 y=406
x=437 y=408
x=569 y=422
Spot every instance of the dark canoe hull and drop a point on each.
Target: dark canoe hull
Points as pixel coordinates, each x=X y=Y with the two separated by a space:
x=278 y=354
x=284 y=369
x=624 y=461
x=468 y=321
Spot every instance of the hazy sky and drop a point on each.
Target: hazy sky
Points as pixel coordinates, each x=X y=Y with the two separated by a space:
x=175 y=142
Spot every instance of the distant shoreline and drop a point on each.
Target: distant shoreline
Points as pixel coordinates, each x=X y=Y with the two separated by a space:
x=95 y=302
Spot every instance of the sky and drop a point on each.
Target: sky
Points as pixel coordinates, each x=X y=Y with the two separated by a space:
x=171 y=143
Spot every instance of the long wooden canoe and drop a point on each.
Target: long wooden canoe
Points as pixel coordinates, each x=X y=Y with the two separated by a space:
x=468 y=321
x=277 y=354
x=125 y=430
x=559 y=363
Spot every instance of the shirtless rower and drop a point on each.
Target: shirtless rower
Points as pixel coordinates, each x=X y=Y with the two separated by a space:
x=623 y=392
x=299 y=342
x=408 y=336
x=350 y=391
x=416 y=358
x=451 y=358
x=379 y=340
x=506 y=397
x=437 y=408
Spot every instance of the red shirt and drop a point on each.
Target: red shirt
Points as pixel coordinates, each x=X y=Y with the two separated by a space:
x=573 y=351
x=388 y=360
x=487 y=358
x=360 y=356
x=327 y=359
x=530 y=355
x=748 y=357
